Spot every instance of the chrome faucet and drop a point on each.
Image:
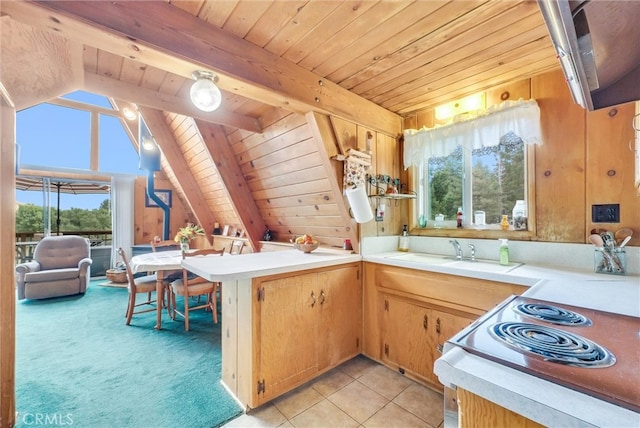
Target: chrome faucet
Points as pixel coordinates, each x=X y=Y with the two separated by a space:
x=456 y=246
x=473 y=252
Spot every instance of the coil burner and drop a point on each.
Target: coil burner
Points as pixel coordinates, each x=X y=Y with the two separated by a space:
x=552 y=314
x=553 y=344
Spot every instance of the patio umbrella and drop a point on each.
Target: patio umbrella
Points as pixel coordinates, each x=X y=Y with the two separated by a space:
x=62 y=186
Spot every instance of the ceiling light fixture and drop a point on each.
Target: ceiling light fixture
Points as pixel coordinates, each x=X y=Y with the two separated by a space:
x=129 y=113
x=465 y=105
x=204 y=93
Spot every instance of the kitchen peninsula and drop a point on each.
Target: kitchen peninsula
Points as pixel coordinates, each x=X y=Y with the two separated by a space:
x=287 y=316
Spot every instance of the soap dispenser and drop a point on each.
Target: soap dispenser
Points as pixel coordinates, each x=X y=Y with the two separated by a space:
x=504 y=252
x=403 y=244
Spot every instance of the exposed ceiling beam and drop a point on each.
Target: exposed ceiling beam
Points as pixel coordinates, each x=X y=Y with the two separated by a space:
x=79 y=105
x=324 y=136
x=159 y=101
x=234 y=182
x=164 y=36
x=188 y=184
x=37 y=65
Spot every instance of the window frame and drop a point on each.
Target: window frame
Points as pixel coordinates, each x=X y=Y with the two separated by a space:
x=468 y=232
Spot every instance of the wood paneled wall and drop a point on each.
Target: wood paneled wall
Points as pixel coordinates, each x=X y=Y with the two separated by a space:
x=149 y=221
x=560 y=167
x=284 y=171
x=585 y=159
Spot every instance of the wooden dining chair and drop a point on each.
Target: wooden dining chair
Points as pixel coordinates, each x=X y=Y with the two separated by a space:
x=169 y=276
x=159 y=245
x=145 y=284
x=236 y=247
x=189 y=286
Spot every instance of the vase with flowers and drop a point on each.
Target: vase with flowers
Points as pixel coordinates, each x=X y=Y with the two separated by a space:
x=186 y=234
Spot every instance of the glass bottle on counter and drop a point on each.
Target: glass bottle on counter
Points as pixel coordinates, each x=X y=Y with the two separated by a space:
x=504 y=223
x=403 y=243
x=520 y=215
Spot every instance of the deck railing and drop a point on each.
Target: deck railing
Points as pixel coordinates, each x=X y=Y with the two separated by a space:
x=26 y=241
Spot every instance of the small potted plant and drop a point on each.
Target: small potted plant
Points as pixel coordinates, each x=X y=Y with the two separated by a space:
x=186 y=234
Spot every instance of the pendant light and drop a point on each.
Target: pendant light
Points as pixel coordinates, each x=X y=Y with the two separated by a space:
x=204 y=93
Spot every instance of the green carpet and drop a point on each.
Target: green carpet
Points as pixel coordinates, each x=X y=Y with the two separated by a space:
x=77 y=363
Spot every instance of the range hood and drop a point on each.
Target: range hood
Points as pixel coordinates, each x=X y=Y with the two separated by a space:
x=598 y=45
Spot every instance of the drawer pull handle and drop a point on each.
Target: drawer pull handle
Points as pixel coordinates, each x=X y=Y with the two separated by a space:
x=425 y=322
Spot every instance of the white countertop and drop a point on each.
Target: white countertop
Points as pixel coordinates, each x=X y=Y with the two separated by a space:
x=572 y=286
x=245 y=266
x=537 y=399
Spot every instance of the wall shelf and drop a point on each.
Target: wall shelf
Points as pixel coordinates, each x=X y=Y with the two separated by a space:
x=230 y=238
x=394 y=196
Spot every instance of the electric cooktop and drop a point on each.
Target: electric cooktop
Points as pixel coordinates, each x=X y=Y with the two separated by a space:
x=591 y=351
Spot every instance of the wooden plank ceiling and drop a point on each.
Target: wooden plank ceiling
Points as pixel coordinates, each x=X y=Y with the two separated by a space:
x=369 y=62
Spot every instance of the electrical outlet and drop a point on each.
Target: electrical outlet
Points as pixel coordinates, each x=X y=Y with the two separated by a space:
x=606 y=213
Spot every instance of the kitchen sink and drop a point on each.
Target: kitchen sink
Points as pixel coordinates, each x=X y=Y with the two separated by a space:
x=430 y=259
x=479 y=265
x=492 y=266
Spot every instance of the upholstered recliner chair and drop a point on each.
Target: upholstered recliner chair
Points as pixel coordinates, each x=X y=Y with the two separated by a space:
x=60 y=267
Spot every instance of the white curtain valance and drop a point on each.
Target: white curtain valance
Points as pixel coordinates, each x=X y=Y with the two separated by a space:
x=484 y=130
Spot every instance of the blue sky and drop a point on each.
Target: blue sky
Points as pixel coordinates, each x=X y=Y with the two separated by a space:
x=54 y=136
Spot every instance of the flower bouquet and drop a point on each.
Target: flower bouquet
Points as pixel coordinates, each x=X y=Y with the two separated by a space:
x=186 y=234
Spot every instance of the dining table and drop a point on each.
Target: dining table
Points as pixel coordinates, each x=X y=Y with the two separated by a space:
x=162 y=263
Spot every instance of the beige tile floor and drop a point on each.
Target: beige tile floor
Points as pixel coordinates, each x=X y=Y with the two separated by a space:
x=358 y=393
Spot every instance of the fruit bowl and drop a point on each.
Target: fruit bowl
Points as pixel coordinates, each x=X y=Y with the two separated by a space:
x=306 y=248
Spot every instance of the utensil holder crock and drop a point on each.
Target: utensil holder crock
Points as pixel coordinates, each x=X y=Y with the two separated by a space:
x=610 y=260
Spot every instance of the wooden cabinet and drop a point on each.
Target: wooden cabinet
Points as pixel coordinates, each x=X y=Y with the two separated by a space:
x=413 y=335
x=408 y=339
x=475 y=411
x=340 y=328
x=303 y=325
x=409 y=314
x=284 y=328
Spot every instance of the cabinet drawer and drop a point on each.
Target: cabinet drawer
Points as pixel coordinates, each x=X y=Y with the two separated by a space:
x=452 y=291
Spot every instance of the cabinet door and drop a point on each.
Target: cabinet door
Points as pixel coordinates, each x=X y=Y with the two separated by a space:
x=283 y=334
x=340 y=325
x=409 y=337
x=447 y=325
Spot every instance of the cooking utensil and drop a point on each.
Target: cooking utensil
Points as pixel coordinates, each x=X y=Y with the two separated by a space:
x=623 y=233
x=596 y=240
x=608 y=239
x=624 y=242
